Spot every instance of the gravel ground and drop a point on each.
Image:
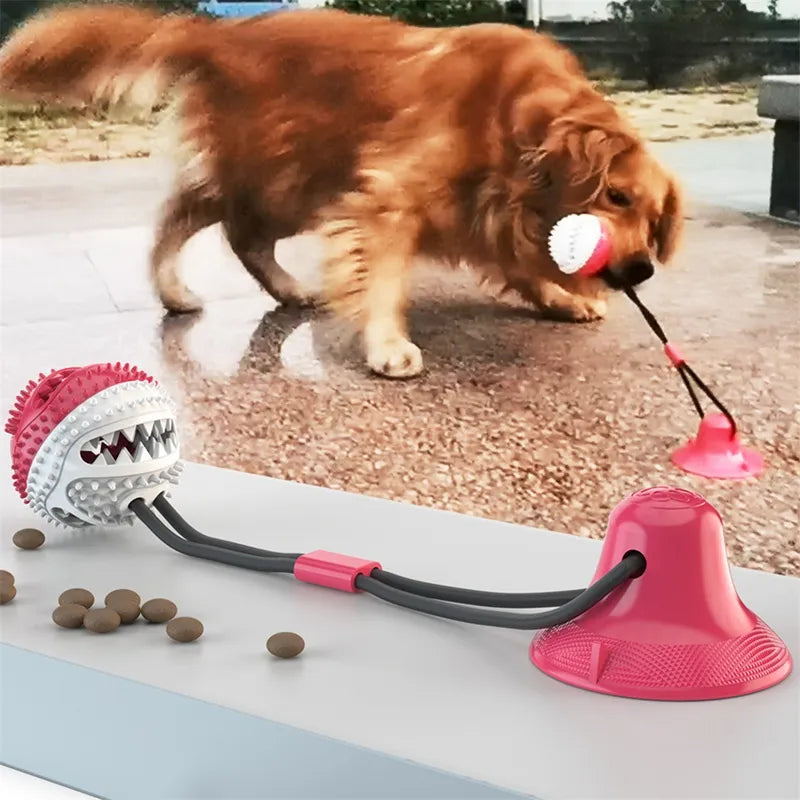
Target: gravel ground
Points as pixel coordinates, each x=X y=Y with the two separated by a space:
x=529 y=421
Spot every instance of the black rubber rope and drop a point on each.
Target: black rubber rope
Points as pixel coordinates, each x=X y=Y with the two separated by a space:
x=655 y=326
x=572 y=603
x=171 y=515
x=475 y=597
x=648 y=315
x=698 y=406
x=684 y=370
x=432 y=590
x=209 y=552
x=711 y=396
x=630 y=566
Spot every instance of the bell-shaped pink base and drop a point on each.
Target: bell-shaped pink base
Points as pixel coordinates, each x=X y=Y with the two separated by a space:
x=677 y=632
x=715 y=454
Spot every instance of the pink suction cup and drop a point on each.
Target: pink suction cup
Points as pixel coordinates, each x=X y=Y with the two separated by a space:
x=714 y=453
x=679 y=631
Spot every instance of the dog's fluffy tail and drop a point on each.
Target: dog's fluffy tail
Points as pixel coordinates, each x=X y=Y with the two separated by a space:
x=101 y=53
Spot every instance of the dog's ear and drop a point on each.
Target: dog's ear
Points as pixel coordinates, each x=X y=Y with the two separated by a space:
x=669 y=227
x=533 y=113
x=572 y=151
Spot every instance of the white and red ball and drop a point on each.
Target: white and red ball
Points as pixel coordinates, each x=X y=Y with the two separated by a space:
x=580 y=244
x=86 y=441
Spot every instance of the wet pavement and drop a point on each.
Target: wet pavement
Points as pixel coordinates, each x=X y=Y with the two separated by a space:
x=515 y=418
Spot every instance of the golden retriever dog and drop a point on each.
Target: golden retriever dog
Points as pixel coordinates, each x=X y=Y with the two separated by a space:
x=395 y=144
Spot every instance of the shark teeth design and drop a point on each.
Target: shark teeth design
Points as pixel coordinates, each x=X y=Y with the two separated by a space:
x=146 y=441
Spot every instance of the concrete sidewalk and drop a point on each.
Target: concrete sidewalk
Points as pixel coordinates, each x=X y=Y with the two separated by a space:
x=65 y=198
x=733 y=173
x=515 y=418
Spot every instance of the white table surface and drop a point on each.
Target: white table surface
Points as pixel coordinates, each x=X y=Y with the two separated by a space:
x=458 y=698
x=16 y=785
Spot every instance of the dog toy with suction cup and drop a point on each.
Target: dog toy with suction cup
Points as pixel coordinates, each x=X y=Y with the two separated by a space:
x=85 y=441
x=661 y=619
x=581 y=244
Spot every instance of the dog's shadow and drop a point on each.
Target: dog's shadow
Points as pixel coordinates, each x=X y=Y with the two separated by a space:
x=458 y=337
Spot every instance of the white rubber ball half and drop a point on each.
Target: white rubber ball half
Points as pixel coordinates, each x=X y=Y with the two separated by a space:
x=572 y=241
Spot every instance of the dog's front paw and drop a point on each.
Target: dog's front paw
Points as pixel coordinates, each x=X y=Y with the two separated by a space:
x=181 y=300
x=395 y=358
x=574 y=308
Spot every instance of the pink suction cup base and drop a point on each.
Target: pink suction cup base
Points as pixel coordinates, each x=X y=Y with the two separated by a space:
x=736 y=466
x=735 y=667
x=714 y=454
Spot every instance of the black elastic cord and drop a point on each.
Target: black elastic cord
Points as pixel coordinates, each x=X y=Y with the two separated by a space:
x=573 y=604
x=475 y=597
x=209 y=552
x=433 y=590
x=718 y=403
x=684 y=370
x=630 y=566
x=171 y=515
x=698 y=406
x=648 y=315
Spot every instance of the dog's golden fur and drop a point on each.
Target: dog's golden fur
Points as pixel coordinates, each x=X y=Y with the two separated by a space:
x=461 y=145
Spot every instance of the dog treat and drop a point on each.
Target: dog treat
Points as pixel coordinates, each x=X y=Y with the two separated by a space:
x=123 y=595
x=127 y=609
x=70 y=615
x=159 y=609
x=101 y=620
x=83 y=597
x=184 y=629
x=285 y=645
x=6 y=578
x=7 y=593
x=28 y=539
x=126 y=603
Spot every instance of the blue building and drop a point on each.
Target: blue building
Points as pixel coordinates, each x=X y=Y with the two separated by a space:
x=244 y=8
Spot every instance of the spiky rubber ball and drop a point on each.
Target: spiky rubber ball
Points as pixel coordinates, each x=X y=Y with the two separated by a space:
x=85 y=441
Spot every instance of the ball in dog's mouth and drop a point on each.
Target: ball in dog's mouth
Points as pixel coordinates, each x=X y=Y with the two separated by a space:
x=580 y=244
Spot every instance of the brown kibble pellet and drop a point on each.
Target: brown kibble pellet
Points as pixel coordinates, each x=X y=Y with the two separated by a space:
x=70 y=615
x=159 y=609
x=122 y=596
x=126 y=603
x=184 y=629
x=128 y=611
x=28 y=539
x=7 y=593
x=101 y=620
x=6 y=578
x=285 y=645
x=83 y=597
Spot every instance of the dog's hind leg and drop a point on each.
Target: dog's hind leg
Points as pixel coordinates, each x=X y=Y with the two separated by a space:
x=186 y=213
x=256 y=251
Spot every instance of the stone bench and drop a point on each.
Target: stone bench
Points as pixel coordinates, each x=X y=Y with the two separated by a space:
x=779 y=99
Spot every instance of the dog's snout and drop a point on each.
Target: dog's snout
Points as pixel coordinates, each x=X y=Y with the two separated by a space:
x=638 y=271
x=628 y=273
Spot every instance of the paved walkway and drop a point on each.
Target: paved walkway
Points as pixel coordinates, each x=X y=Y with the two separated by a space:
x=515 y=418
x=734 y=173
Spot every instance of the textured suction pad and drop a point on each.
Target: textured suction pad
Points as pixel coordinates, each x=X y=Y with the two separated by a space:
x=714 y=453
x=579 y=244
x=678 y=631
x=85 y=441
